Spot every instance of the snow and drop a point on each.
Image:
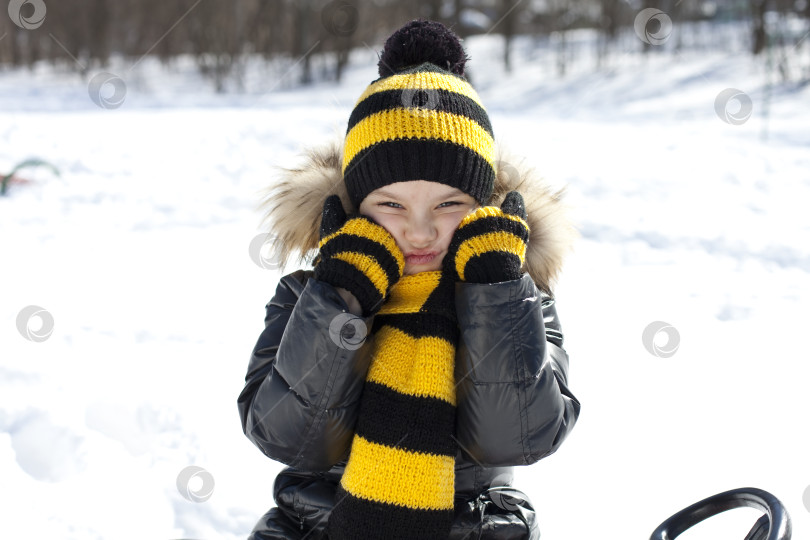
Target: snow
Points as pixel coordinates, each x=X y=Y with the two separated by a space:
x=139 y=252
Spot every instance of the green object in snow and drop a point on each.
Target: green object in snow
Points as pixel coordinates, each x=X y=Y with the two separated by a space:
x=34 y=162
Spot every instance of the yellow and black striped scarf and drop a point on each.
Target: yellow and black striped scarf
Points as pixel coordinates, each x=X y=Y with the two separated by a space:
x=399 y=481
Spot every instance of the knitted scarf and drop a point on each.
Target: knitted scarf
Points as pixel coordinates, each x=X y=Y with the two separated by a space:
x=399 y=482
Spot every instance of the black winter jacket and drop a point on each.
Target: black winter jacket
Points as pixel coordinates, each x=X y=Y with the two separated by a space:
x=302 y=390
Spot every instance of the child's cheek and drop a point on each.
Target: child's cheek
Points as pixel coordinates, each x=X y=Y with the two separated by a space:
x=450 y=226
x=386 y=222
x=389 y=223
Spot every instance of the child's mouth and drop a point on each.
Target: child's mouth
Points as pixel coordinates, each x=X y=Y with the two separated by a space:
x=420 y=259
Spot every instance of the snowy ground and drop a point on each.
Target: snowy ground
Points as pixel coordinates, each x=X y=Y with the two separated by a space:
x=139 y=252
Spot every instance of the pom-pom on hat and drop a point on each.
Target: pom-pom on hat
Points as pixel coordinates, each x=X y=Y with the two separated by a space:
x=421 y=120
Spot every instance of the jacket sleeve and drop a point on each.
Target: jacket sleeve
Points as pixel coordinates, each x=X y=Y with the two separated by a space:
x=303 y=383
x=514 y=406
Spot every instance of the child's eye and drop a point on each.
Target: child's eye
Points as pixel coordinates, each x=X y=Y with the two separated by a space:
x=389 y=202
x=449 y=203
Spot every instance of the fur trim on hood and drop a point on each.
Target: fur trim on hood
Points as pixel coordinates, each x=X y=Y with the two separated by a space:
x=292 y=206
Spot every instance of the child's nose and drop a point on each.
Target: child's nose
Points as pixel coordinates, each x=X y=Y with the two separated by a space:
x=420 y=232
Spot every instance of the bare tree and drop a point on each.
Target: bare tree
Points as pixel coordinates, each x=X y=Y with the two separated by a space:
x=609 y=21
x=302 y=39
x=215 y=35
x=806 y=14
x=758 y=8
x=508 y=18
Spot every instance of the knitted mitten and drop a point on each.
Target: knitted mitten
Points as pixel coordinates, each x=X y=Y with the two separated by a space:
x=358 y=255
x=490 y=243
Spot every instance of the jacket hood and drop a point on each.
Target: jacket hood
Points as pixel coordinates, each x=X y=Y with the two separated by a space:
x=291 y=209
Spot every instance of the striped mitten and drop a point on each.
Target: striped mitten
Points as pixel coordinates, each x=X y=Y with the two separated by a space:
x=358 y=255
x=490 y=243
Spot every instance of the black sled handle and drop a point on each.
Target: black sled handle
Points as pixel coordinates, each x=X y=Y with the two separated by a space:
x=774 y=525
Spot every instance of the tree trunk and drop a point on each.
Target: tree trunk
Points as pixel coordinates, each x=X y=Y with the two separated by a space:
x=508 y=27
x=758 y=18
x=301 y=39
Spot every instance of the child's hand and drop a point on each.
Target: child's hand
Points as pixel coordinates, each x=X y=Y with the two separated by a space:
x=490 y=243
x=357 y=254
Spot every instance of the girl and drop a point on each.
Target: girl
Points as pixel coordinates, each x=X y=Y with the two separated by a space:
x=403 y=376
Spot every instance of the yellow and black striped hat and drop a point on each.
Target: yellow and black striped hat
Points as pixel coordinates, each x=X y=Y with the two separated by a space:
x=421 y=120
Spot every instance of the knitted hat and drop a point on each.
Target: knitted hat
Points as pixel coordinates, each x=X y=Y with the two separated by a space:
x=421 y=120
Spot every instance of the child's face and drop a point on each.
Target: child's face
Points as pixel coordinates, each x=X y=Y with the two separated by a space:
x=421 y=216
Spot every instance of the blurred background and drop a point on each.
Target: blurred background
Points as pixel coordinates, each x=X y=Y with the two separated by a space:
x=137 y=137
x=222 y=36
